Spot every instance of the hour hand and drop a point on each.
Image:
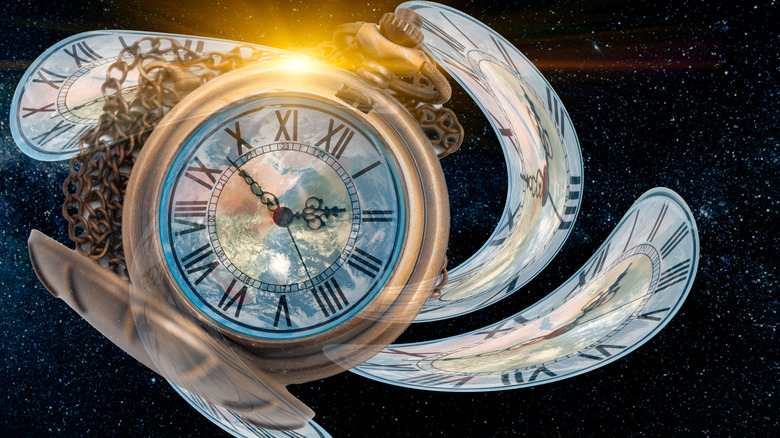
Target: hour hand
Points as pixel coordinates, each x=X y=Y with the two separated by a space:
x=267 y=198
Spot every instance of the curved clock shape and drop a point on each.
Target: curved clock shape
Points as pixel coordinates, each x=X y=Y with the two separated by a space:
x=60 y=97
x=625 y=294
x=542 y=153
x=233 y=424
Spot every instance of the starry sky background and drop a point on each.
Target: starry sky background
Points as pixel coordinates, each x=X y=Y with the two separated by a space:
x=681 y=94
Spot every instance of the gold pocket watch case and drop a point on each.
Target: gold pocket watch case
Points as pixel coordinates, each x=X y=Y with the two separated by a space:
x=241 y=161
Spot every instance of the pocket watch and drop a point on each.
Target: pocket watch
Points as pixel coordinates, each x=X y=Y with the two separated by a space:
x=270 y=206
x=287 y=217
x=292 y=212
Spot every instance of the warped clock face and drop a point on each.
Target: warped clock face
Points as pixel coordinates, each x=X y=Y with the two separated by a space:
x=60 y=96
x=281 y=217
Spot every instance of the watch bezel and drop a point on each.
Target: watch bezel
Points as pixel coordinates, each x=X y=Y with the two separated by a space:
x=426 y=232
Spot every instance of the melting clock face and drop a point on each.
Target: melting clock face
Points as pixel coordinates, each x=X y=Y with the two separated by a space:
x=625 y=294
x=60 y=96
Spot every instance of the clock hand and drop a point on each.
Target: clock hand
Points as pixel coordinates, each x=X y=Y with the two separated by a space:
x=282 y=216
x=299 y=252
x=313 y=213
x=267 y=198
x=102 y=99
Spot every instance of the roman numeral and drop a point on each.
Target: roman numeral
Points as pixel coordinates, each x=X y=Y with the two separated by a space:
x=504 y=53
x=86 y=51
x=50 y=82
x=438 y=380
x=362 y=172
x=238 y=296
x=505 y=131
x=282 y=307
x=456 y=27
x=538 y=371
x=329 y=297
x=492 y=333
x=377 y=215
x=283 y=125
x=341 y=144
x=633 y=227
x=591 y=271
x=673 y=275
x=518 y=378
x=60 y=128
x=508 y=225
x=190 y=209
x=198 y=45
x=658 y=221
x=557 y=111
x=240 y=142
x=44 y=109
x=648 y=316
x=674 y=240
x=504 y=290
x=604 y=352
x=197 y=256
x=595 y=267
x=201 y=168
x=447 y=38
x=572 y=196
x=365 y=262
x=599 y=263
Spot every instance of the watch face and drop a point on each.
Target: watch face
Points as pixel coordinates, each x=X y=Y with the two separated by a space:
x=281 y=217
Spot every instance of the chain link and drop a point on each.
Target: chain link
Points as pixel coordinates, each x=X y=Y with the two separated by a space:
x=416 y=92
x=167 y=72
x=95 y=189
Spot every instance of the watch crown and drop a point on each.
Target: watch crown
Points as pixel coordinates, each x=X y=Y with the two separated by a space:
x=402 y=27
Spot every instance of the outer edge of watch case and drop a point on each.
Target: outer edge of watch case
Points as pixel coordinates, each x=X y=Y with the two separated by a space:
x=421 y=258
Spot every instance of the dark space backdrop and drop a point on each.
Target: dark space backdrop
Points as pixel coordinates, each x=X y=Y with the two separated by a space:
x=681 y=94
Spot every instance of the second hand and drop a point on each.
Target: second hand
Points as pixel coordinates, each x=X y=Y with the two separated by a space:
x=299 y=254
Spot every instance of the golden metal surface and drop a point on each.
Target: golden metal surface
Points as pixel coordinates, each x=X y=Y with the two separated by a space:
x=421 y=258
x=202 y=363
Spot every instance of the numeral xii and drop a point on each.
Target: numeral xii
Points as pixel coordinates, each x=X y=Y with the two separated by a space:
x=341 y=143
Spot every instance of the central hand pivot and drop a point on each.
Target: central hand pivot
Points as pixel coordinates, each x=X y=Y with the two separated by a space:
x=314 y=214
